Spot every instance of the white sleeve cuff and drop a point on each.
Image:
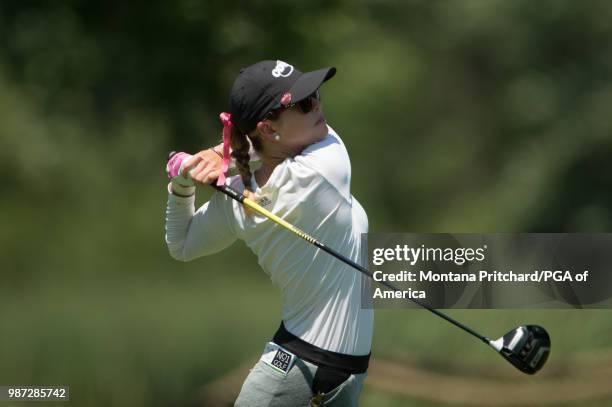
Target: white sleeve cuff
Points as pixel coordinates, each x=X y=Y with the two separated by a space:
x=180 y=193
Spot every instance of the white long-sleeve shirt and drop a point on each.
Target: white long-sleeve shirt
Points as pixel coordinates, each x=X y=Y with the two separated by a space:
x=321 y=296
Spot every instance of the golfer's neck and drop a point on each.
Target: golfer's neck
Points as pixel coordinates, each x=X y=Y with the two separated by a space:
x=272 y=156
x=263 y=173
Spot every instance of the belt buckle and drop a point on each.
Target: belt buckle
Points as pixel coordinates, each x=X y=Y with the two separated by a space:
x=317 y=400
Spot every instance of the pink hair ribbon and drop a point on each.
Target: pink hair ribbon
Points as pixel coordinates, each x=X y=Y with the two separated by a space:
x=226 y=119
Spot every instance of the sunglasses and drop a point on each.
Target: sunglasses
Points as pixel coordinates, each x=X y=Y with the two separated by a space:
x=305 y=105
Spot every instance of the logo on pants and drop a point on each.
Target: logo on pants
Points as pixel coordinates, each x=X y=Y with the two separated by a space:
x=282 y=360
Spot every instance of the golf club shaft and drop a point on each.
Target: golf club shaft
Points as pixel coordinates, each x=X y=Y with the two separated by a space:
x=232 y=193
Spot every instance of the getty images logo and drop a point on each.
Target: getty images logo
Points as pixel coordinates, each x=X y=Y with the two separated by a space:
x=282 y=69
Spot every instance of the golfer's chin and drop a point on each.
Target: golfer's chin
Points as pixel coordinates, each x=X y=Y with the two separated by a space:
x=321 y=122
x=320 y=130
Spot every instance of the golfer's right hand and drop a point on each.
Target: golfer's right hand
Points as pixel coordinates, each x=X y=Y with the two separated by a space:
x=203 y=167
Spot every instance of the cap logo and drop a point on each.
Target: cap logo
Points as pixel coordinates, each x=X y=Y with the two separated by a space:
x=282 y=69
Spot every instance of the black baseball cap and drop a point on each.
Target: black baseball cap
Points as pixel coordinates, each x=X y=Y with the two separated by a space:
x=269 y=85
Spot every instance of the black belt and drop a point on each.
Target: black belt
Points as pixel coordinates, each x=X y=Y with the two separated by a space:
x=350 y=364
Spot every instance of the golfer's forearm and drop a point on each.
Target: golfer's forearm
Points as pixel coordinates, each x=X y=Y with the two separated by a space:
x=191 y=234
x=179 y=212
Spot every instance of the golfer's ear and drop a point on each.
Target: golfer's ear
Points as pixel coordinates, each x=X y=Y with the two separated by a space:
x=266 y=130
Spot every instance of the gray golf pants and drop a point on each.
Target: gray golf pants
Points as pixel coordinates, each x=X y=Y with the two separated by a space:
x=265 y=387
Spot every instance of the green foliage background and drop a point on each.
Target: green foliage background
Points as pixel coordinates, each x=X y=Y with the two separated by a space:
x=460 y=116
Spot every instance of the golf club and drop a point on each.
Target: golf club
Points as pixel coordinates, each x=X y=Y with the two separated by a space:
x=526 y=347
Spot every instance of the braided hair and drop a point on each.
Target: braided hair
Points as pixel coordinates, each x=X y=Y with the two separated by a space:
x=240 y=152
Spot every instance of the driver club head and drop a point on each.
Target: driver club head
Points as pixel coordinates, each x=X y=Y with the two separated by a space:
x=526 y=347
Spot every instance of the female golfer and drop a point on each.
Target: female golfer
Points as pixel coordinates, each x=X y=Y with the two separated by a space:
x=319 y=354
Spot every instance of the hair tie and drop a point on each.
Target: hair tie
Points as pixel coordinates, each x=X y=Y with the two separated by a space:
x=226 y=119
